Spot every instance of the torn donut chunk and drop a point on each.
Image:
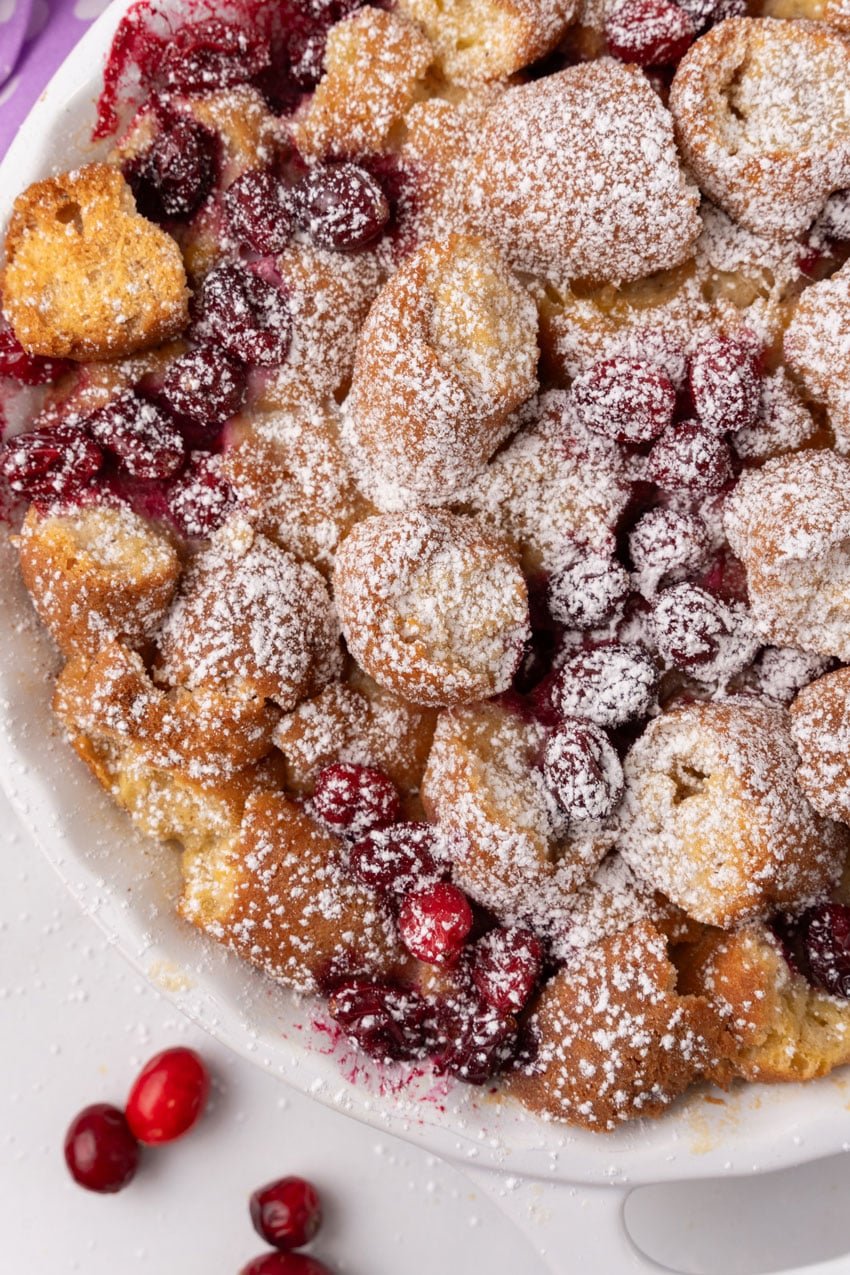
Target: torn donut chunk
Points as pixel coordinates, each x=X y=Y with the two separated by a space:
x=820 y=727
x=817 y=349
x=432 y=606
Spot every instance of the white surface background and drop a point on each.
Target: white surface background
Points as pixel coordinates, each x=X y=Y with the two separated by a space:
x=75 y=1024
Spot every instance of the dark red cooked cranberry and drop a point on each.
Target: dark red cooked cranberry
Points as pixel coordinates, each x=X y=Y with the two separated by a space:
x=145 y=439
x=287 y=1213
x=388 y=1022
x=506 y=964
x=206 y=385
x=825 y=934
x=434 y=921
x=49 y=466
x=478 y=1040
x=396 y=860
x=583 y=771
x=706 y=12
x=342 y=207
x=200 y=499
x=176 y=173
x=168 y=1096
x=690 y=458
x=246 y=315
x=259 y=211
x=689 y=625
x=100 y=1151
x=27 y=369
x=664 y=541
x=627 y=399
x=588 y=591
x=285 y=1264
x=648 y=32
x=725 y=384
x=355 y=799
x=202 y=56
x=610 y=685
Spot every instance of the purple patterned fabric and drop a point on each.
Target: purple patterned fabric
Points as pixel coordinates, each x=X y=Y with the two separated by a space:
x=54 y=27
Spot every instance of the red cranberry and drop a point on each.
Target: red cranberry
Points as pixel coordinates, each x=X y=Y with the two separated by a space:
x=176 y=173
x=202 y=56
x=100 y=1150
x=143 y=437
x=285 y=1264
x=259 y=211
x=648 y=32
x=27 y=369
x=206 y=385
x=626 y=399
x=610 y=685
x=663 y=541
x=706 y=12
x=505 y=966
x=49 y=466
x=689 y=625
x=287 y=1213
x=396 y=860
x=825 y=934
x=478 y=1041
x=342 y=207
x=588 y=591
x=389 y=1023
x=433 y=922
x=245 y=314
x=200 y=499
x=355 y=799
x=690 y=458
x=583 y=771
x=725 y=384
x=168 y=1096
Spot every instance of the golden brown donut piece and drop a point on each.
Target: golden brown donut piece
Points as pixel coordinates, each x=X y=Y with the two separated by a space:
x=576 y=175
x=713 y=817
x=616 y=1039
x=250 y=614
x=820 y=727
x=281 y=899
x=447 y=352
x=96 y=573
x=86 y=276
x=817 y=349
x=432 y=606
x=763 y=121
x=789 y=523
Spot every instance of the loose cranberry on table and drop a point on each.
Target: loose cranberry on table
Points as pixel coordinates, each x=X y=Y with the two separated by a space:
x=206 y=386
x=648 y=32
x=200 y=499
x=285 y=1264
x=583 y=772
x=396 y=860
x=609 y=685
x=144 y=438
x=586 y=593
x=259 y=211
x=27 y=369
x=51 y=466
x=433 y=922
x=629 y=400
x=342 y=207
x=287 y=1213
x=168 y=1096
x=725 y=384
x=100 y=1149
x=388 y=1022
x=690 y=458
x=245 y=314
x=505 y=966
x=173 y=177
x=354 y=800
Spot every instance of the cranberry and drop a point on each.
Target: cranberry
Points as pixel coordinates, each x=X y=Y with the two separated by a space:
x=245 y=314
x=143 y=437
x=506 y=964
x=825 y=935
x=478 y=1041
x=201 y=56
x=434 y=921
x=168 y=1096
x=285 y=1264
x=627 y=399
x=689 y=625
x=342 y=207
x=259 y=211
x=27 y=369
x=583 y=771
x=663 y=541
x=287 y=1213
x=610 y=685
x=706 y=12
x=173 y=177
x=648 y=32
x=100 y=1150
x=396 y=860
x=355 y=799
x=387 y=1022
x=725 y=384
x=206 y=385
x=689 y=457
x=200 y=499
x=49 y=466
x=588 y=591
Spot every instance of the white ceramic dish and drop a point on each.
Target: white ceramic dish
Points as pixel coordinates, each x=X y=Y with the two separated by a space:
x=128 y=885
